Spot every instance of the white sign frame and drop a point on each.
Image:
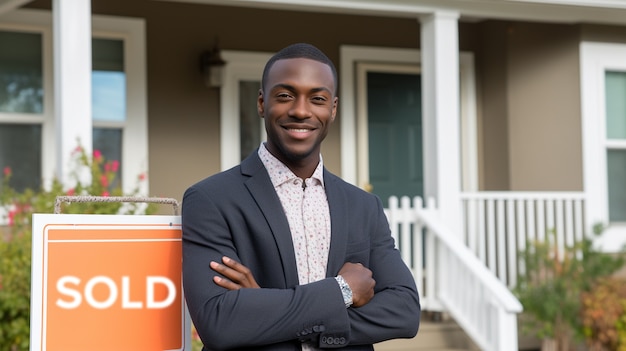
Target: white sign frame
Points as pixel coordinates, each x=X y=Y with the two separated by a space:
x=66 y=221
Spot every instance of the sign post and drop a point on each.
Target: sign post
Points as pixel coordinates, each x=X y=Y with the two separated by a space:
x=108 y=282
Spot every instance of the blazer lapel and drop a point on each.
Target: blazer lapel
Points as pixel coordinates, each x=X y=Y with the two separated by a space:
x=262 y=190
x=337 y=204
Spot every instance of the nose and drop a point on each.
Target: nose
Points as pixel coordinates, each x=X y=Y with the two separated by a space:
x=300 y=108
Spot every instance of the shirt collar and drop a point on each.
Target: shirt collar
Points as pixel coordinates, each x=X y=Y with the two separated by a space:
x=280 y=174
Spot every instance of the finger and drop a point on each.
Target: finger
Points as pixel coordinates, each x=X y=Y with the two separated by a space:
x=235 y=265
x=224 y=270
x=244 y=275
x=225 y=283
x=235 y=276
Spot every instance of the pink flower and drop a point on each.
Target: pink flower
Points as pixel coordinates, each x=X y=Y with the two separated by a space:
x=115 y=165
x=97 y=155
x=71 y=192
x=12 y=217
x=77 y=150
x=105 y=193
x=104 y=181
x=142 y=177
x=7 y=171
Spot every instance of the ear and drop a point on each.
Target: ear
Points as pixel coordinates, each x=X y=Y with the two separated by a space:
x=334 y=109
x=260 y=107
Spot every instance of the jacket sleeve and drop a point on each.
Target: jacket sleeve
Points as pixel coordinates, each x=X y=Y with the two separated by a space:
x=247 y=317
x=394 y=312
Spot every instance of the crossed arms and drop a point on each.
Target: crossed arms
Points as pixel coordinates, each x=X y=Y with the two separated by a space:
x=241 y=283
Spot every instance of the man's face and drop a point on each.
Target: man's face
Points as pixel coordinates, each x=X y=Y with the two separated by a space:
x=298 y=104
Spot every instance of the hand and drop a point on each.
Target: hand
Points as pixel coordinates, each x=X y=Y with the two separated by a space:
x=361 y=282
x=236 y=275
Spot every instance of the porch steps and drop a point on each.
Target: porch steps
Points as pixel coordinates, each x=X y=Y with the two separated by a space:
x=443 y=335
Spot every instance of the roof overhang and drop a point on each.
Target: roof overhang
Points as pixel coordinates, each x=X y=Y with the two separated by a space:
x=561 y=11
x=8 y=5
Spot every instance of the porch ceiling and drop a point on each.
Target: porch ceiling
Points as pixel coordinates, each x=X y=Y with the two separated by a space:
x=564 y=11
x=8 y=5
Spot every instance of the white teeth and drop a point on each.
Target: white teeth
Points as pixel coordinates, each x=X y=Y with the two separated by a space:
x=300 y=130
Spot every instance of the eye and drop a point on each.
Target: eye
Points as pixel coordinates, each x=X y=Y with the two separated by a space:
x=319 y=100
x=283 y=96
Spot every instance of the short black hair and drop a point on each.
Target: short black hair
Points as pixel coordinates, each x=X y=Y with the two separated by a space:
x=299 y=50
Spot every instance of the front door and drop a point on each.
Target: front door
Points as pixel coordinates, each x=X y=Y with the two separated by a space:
x=392 y=114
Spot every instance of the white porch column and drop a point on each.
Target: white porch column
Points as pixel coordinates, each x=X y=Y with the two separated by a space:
x=72 y=81
x=441 y=121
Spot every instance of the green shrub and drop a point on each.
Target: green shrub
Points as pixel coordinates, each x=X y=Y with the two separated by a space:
x=552 y=283
x=603 y=314
x=15 y=239
x=15 y=292
x=620 y=327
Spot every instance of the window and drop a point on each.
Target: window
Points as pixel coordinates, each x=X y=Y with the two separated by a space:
x=249 y=126
x=21 y=106
x=603 y=93
x=27 y=124
x=615 y=87
x=108 y=87
x=242 y=80
x=21 y=88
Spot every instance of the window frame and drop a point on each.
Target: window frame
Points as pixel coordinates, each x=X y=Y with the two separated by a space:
x=134 y=129
x=39 y=22
x=240 y=66
x=596 y=58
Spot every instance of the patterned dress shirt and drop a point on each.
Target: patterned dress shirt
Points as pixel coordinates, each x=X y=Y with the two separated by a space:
x=306 y=207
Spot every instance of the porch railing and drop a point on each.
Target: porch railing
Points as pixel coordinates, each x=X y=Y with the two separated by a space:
x=450 y=277
x=499 y=224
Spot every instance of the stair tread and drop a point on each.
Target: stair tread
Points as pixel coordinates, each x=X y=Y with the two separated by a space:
x=445 y=335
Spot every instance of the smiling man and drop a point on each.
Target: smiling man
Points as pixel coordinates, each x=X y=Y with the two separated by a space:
x=279 y=253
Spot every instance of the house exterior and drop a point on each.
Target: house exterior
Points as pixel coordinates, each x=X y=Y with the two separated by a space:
x=438 y=98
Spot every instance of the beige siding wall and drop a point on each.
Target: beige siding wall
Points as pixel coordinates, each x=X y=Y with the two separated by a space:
x=527 y=77
x=493 y=139
x=183 y=114
x=544 y=103
x=530 y=109
x=603 y=33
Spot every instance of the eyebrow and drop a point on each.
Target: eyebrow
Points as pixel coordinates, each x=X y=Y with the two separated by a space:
x=292 y=88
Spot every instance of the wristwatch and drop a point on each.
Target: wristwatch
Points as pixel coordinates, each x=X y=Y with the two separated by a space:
x=345 y=291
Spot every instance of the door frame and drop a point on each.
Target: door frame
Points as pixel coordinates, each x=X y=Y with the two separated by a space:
x=351 y=56
x=362 y=137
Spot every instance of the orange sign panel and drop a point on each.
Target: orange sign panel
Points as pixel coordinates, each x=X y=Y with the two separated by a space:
x=111 y=287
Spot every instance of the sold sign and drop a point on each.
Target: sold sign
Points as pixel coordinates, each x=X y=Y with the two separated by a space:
x=104 y=282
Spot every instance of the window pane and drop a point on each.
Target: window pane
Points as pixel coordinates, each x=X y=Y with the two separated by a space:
x=616 y=105
x=616 y=162
x=109 y=142
x=20 y=149
x=108 y=80
x=21 y=87
x=250 y=124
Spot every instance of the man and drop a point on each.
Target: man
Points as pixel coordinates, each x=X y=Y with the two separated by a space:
x=280 y=254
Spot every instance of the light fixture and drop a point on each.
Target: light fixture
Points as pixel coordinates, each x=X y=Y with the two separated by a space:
x=212 y=66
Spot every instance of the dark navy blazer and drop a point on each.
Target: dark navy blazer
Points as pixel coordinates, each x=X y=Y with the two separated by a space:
x=238 y=214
